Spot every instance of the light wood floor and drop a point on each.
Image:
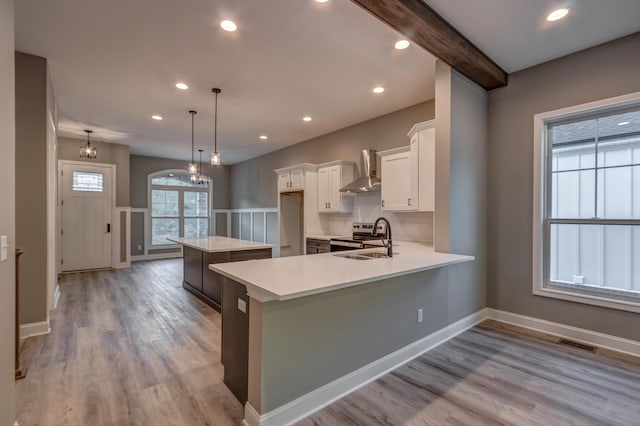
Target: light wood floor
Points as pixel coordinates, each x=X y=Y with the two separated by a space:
x=127 y=347
x=131 y=347
x=494 y=374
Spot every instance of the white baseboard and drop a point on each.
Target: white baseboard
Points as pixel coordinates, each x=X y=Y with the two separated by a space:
x=325 y=395
x=582 y=335
x=143 y=257
x=34 y=329
x=56 y=296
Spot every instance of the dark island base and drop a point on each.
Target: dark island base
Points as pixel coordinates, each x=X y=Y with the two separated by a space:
x=206 y=299
x=202 y=281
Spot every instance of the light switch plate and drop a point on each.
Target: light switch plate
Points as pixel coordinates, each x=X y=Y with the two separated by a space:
x=4 y=246
x=242 y=305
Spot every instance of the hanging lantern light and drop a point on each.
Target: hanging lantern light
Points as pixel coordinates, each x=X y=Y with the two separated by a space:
x=88 y=151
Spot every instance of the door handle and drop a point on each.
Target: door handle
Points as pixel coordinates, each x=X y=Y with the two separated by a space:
x=108 y=228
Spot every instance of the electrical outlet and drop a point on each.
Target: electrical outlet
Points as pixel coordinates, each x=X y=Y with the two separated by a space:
x=420 y=315
x=139 y=247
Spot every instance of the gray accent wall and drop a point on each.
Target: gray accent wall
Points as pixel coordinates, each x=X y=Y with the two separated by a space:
x=605 y=71
x=329 y=335
x=7 y=211
x=31 y=184
x=108 y=153
x=254 y=183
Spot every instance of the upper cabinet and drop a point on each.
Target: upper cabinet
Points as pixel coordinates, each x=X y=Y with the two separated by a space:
x=291 y=178
x=331 y=177
x=408 y=173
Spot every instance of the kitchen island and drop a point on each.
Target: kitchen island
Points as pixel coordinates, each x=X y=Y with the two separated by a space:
x=199 y=253
x=315 y=322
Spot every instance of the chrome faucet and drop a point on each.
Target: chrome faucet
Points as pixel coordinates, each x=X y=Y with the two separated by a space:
x=388 y=245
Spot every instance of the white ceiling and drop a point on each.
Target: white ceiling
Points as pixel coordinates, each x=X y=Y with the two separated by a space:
x=115 y=63
x=516 y=35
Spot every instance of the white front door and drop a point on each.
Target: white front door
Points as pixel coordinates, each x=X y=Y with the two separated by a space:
x=87 y=200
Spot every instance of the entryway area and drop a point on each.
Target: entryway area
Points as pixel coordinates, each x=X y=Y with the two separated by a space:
x=87 y=204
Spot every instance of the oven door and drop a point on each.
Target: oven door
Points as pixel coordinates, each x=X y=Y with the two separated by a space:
x=339 y=245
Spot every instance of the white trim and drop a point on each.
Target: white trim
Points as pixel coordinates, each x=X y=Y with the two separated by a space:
x=148 y=238
x=117 y=231
x=315 y=400
x=539 y=153
x=53 y=257
x=56 y=297
x=34 y=329
x=157 y=256
x=582 y=335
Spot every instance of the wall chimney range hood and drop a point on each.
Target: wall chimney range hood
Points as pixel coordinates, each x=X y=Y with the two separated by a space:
x=368 y=181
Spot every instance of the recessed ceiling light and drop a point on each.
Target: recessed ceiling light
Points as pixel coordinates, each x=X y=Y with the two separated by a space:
x=156 y=117
x=228 y=25
x=182 y=86
x=306 y=118
x=402 y=44
x=378 y=89
x=557 y=14
x=321 y=1
x=263 y=137
x=624 y=123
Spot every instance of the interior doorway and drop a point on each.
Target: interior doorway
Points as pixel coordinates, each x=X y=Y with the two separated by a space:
x=87 y=203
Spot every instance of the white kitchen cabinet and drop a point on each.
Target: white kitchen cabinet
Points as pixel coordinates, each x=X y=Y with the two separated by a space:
x=408 y=173
x=290 y=179
x=397 y=189
x=331 y=177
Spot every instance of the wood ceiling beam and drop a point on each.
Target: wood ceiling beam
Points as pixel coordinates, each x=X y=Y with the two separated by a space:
x=421 y=24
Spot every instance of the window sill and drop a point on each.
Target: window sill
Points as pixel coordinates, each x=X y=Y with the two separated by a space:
x=588 y=299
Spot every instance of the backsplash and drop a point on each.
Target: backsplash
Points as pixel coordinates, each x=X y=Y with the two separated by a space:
x=408 y=226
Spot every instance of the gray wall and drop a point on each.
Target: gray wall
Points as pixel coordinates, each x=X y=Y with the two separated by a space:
x=253 y=182
x=604 y=71
x=7 y=211
x=141 y=167
x=329 y=335
x=108 y=153
x=31 y=184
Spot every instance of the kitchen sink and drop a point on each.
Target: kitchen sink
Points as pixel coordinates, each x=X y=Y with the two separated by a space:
x=363 y=256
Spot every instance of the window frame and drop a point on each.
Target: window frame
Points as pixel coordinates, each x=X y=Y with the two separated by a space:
x=542 y=193
x=181 y=190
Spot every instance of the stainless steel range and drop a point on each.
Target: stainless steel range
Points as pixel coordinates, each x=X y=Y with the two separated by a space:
x=361 y=237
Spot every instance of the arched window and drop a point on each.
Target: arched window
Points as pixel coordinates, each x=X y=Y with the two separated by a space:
x=178 y=207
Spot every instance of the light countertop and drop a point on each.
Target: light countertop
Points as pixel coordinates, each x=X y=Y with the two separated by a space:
x=297 y=276
x=220 y=244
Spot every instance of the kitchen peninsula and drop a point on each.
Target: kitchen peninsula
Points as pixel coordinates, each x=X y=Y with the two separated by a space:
x=314 y=320
x=198 y=253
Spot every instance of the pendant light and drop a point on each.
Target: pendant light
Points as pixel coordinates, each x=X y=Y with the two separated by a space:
x=215 y=155
x=193 y=167
x=88 y=151
x=202 y=179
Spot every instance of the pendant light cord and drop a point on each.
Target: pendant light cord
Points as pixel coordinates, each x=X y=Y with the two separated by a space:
x=215 y=126
x=193 y=113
